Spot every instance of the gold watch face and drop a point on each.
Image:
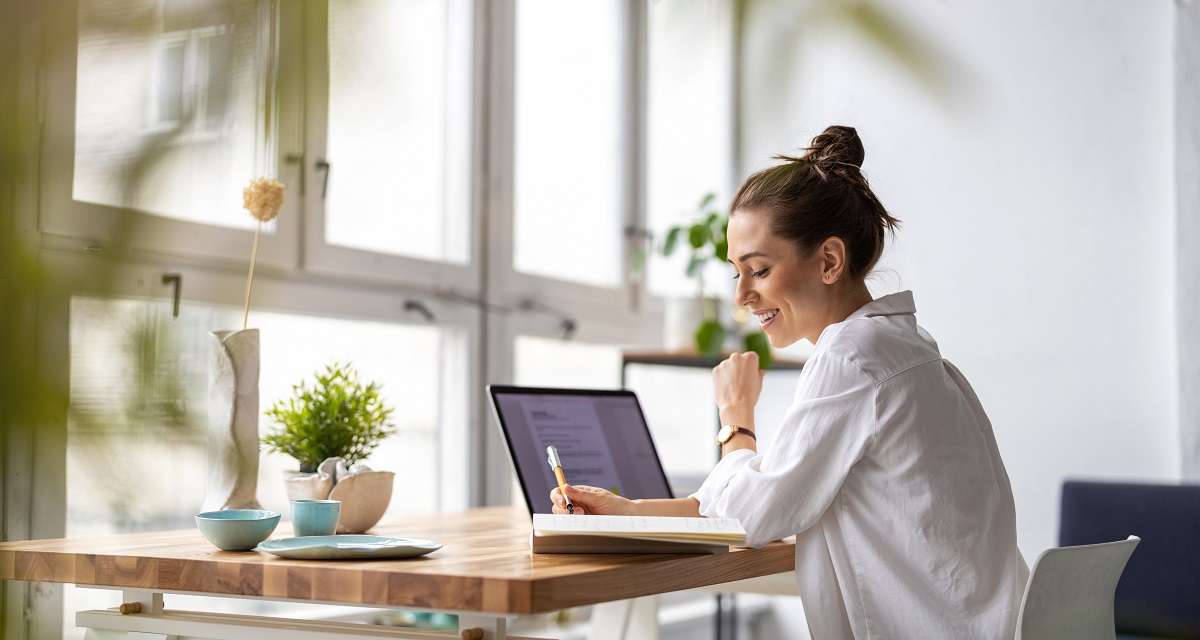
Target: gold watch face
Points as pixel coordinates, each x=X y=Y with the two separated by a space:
x=725 y=434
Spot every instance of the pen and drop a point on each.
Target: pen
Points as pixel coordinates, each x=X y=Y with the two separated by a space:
x=556 y=464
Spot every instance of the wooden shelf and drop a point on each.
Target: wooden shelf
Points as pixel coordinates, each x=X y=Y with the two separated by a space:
x=695 y=359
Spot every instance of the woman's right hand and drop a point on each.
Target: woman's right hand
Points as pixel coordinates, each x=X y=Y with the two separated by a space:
x=737 y=383
x=592 y=500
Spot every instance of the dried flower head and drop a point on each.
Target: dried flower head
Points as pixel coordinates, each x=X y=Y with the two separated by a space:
x=263 y=198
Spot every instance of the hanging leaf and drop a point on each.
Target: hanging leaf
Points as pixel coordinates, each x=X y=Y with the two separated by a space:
x=707 y=201
x=721 y=250
x=695 y=266
x=710 y=336
x=671 y=241
x=757 y=342
x=637 y=266
x=697 y=235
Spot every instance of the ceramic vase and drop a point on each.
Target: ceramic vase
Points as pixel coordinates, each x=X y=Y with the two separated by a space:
x=232 y=420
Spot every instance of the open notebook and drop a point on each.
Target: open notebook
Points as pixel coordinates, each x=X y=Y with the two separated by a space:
x=554 y=533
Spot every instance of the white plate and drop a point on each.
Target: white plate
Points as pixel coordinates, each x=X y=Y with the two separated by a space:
x=347 y=547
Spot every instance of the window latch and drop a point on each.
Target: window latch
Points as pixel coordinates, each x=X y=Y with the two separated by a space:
x=324 y=166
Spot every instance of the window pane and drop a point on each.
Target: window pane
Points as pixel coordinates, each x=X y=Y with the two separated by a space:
x=689 y=122
x=170 y=107
x=567 y=191
x=546 y=362
x=399 y=126
x=137 y=442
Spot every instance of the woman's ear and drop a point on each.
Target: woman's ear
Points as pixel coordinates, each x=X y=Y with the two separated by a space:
x=833 y=259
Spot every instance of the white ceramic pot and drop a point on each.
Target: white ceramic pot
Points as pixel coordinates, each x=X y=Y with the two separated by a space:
x=365 y=496
x=364 y=493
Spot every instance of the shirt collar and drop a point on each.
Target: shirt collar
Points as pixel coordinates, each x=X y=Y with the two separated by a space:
x=900 y=303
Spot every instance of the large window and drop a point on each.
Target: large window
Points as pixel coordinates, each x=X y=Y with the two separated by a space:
x=465 y=187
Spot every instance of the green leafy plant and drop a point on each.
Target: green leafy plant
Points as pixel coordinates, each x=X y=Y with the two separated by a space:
x=707 y=240
x=336 y=416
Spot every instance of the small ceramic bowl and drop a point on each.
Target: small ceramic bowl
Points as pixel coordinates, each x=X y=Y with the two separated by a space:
x=237 y=529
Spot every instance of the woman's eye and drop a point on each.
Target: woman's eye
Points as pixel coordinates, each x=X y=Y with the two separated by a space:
x=760 y=273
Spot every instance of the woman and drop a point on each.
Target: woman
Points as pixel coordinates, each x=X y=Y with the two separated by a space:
x=885 y=468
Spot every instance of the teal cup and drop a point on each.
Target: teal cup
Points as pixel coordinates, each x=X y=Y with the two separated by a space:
x=315 y=517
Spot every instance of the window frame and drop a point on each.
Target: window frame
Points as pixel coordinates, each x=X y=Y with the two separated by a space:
x=100 y=228
x=487 y=301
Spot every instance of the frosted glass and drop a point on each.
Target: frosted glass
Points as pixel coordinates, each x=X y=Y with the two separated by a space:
x=689 y=122
x=567 y=191
x=398 y=126
x=169 y=115
x=137 y=440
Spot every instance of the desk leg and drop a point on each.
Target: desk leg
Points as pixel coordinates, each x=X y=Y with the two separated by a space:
x=493 y=628
x=635 y=619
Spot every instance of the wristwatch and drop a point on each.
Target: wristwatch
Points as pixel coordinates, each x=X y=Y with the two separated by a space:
x=728 y=430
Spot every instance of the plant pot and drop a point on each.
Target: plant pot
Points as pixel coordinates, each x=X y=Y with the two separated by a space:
x=365 y=497
x=364 y=493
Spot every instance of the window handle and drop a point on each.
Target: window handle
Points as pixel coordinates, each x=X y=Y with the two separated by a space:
x=297 y=158
x=324 y=166
x=176 y=282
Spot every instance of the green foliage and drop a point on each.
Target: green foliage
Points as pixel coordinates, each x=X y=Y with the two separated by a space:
x=710 y=337
x=756 y=341
x=336 y=416
x=705 y=238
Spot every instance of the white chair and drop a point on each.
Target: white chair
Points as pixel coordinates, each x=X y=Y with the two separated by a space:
x=1070 y=592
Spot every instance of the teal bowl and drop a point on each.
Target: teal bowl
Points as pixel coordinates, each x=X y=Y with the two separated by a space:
x=237 y=529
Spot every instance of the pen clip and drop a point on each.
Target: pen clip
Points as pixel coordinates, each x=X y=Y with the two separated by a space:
x=552 y=456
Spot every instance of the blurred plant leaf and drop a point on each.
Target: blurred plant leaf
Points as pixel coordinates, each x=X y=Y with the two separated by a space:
x=757 y=342
x=671 y=240
x=710 y=336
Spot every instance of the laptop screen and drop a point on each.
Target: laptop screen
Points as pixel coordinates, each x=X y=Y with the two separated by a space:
x=601 y=436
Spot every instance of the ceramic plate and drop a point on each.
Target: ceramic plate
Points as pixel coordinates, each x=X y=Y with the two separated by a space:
x=348 y=547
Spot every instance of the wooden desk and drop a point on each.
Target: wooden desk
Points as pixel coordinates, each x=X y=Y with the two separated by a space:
x=484 y=571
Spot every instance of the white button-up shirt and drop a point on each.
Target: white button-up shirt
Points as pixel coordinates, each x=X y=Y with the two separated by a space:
x=887 y=471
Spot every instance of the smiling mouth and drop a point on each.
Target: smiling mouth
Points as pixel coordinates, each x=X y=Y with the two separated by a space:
x=765 y=317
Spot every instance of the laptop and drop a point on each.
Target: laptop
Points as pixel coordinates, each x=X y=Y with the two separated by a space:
x=601 y=435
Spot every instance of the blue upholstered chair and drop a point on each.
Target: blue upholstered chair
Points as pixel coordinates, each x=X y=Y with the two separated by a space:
x=1159 y=593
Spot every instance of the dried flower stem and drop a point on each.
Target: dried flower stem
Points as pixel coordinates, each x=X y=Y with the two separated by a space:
x=250 y=278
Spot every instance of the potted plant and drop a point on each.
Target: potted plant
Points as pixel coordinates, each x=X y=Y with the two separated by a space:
x=329 y=427
x=706 y=239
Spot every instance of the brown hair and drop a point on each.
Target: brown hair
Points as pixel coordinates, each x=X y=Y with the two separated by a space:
x=822 y=194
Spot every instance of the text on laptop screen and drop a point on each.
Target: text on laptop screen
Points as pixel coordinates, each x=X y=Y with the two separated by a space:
x=602 y=440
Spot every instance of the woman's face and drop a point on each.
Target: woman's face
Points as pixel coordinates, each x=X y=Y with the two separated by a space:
x=784 y=291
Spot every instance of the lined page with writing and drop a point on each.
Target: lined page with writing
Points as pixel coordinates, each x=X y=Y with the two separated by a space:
x=726 y=531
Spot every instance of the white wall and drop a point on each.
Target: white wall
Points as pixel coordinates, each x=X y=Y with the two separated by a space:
x=1187 y=242
x=1038 y=206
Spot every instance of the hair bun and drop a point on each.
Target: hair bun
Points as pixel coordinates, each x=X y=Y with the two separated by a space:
x=837 y=144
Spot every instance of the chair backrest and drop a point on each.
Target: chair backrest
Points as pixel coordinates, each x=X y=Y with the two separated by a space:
x=1159 y=594
x=1070 y=592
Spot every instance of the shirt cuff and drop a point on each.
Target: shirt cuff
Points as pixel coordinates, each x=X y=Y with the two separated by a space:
x=714 y=485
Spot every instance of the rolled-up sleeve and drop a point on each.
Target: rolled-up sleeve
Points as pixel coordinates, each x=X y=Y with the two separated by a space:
x=783 y=491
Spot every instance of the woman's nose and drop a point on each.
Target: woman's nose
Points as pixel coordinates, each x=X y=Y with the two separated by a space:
x=743 y=292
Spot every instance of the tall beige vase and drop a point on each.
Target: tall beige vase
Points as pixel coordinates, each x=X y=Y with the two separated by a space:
x=232 y=420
